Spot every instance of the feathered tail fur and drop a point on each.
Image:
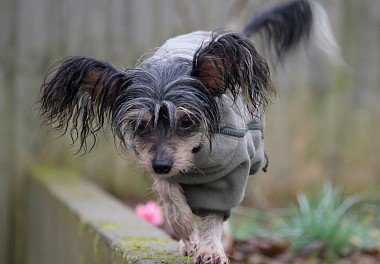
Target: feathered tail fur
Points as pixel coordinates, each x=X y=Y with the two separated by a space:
x=288 y=25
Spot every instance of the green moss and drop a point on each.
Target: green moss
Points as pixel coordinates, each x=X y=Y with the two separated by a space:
x=139 y=248
x=95 y=248
x=152 y=248
x=165 y=257
x=109 y=226
x=151 y=240
x=51 y=172
x=144 y=244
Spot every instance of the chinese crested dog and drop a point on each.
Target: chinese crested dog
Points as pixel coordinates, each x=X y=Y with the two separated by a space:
x=193 y=113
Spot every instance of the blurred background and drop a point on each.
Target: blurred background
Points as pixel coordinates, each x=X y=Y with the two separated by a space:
x=324 y=125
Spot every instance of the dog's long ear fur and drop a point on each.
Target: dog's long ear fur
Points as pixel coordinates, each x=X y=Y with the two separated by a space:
x=230 y=62
x=83 y=90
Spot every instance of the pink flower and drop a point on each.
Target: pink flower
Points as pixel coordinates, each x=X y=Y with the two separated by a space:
x=151 y=212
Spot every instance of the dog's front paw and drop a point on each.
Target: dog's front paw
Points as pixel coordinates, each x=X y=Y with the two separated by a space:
x=211 y=256
x=187 y=248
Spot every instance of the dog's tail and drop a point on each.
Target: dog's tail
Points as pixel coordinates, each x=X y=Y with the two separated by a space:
x=288 y=25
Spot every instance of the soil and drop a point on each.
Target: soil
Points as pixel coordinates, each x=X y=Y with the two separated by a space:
x=256 y=251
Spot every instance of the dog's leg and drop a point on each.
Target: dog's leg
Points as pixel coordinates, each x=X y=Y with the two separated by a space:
x=178 y=214
x=210 y=249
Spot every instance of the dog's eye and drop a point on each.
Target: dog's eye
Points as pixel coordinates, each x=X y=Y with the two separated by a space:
x=186 y=123
x=141 y=127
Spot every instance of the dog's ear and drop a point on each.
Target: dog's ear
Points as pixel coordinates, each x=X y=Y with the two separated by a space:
x=229 y=61
x=83 y=90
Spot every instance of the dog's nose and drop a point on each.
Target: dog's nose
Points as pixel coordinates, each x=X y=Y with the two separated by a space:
x=162 y=165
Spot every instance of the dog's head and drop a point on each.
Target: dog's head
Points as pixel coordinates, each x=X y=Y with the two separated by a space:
x=164 y=108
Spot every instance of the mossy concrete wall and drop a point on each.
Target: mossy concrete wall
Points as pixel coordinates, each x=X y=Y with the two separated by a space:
x=70 y=220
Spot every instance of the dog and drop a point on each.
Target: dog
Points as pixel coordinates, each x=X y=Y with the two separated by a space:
x=193 y=113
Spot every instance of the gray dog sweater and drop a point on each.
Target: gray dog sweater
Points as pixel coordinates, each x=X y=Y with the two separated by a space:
x=217 y=180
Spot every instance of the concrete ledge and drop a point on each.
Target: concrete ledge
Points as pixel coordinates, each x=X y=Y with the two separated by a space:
x=70 y=220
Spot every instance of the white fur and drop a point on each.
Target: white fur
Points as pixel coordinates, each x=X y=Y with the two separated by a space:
x=205 y=247
x=321 y=36
x=210 y=248
x=177 y=212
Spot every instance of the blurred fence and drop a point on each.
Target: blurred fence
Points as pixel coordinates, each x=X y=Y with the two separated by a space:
x=323 y=125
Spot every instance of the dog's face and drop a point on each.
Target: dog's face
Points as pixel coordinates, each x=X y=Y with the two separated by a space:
x=163 y=151
x=163 y=109
x=164 y=115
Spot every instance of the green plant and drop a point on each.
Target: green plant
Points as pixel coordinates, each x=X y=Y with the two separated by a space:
x=327 y=225
x=323 y=219
x=245 y=225
x=367 y=233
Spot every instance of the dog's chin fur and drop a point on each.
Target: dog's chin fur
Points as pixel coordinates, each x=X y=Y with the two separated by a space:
x=168 y=106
